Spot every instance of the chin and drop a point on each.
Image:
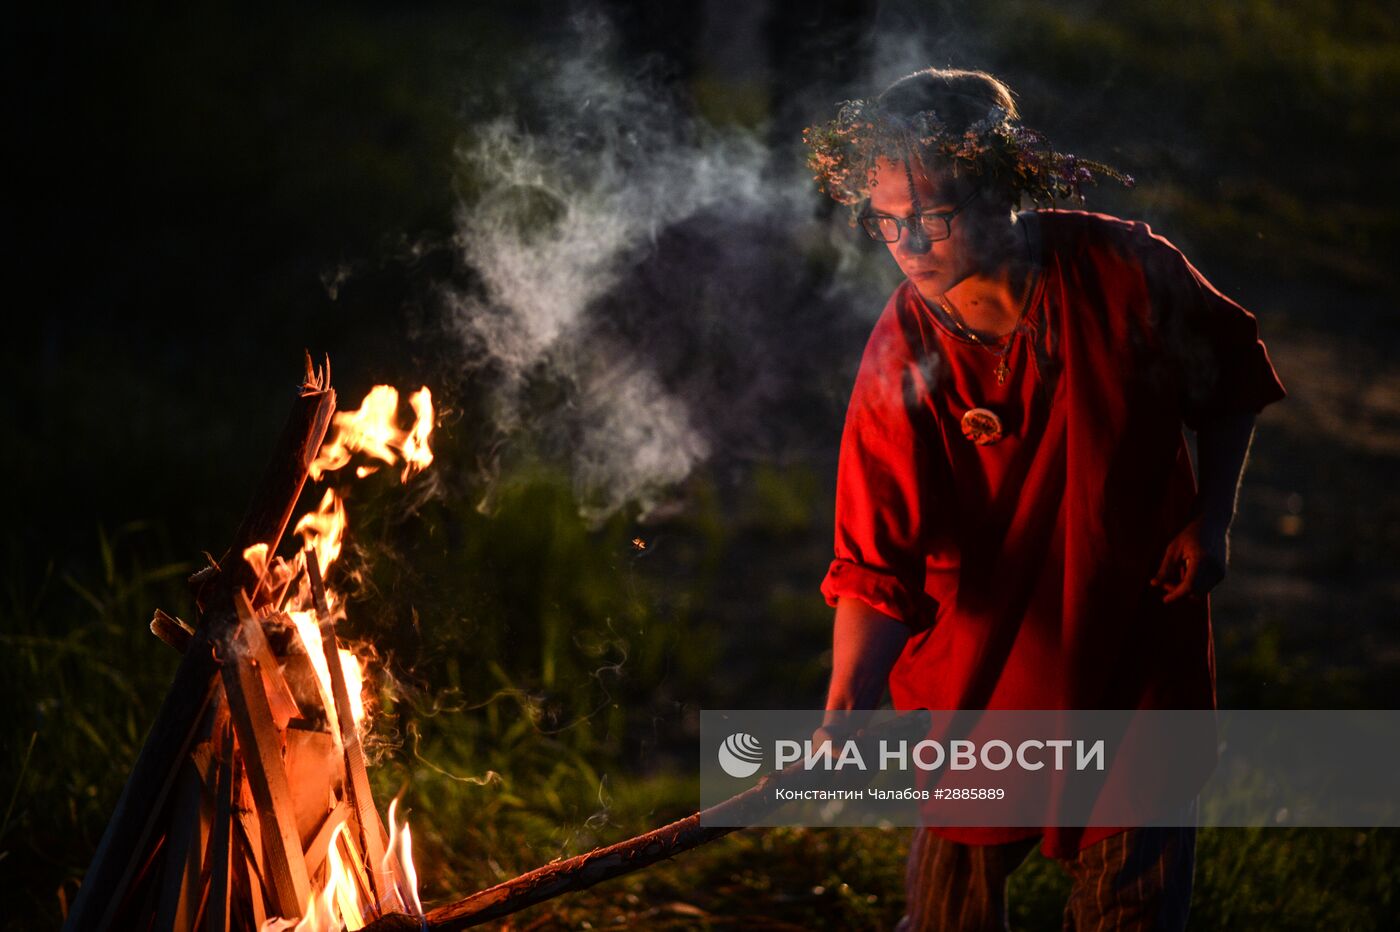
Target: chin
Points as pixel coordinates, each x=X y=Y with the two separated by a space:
x=930 y=286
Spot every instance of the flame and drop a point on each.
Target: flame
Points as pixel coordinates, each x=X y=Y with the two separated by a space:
x=416 y=453
x=354 y=684
x=325 y=915
x=323 y=529
x=387 y=864
x=310 y=633
x=336 y=906
x=339 y=880
x=256 y=558
x=340 y=902
x=409 y=871
x=401 y=839
x=373 y=429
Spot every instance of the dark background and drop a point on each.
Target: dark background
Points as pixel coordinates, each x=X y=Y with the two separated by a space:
x=186 y=182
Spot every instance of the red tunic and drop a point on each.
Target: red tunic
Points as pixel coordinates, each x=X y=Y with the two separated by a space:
x=1022 y=567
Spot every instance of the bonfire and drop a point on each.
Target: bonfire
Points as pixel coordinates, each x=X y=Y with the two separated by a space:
x=250 y=806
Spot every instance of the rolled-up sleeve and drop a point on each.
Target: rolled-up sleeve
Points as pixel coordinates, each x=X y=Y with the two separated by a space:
x=1219 y=364
x=881 y=499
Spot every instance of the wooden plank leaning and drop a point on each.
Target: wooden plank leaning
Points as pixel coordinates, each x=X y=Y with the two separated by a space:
x=362 y=812
x=260 y=748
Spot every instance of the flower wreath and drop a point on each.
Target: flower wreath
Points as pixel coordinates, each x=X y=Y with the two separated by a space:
x=844 y=152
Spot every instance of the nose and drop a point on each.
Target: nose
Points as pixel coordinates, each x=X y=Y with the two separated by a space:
x=915 y=242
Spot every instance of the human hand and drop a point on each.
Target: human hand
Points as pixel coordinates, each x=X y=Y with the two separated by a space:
x=1194 y=563
x=841 y=729
x=840 y=725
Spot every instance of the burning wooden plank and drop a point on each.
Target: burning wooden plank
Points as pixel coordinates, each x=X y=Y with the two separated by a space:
x=260 y=745
x=365 y=816
x=320 y=844
x=313 y=768
x=216 y=911
x=281 y=702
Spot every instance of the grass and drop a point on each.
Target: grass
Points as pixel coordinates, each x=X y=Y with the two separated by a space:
x=501 y=773
x=853 y=879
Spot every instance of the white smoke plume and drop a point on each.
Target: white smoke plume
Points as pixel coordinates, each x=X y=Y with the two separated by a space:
x=565 y=202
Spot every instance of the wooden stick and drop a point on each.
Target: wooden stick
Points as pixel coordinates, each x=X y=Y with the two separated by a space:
x=260 y=749
x=289 y=590
x=320 y=845
x=247 y=833
x=142 y=828
x=351 y=860
x=216 y=911
x=570 y=875
x=250 y=886
x=357 y=789
x=172 y=631
x=279 y=695
x=129 y=831
x=624 y=857
x=186 y=836
x=139 y=894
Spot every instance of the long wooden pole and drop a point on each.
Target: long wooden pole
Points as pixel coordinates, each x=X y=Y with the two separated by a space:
x=130 y=830
x=585 y=870
x=624 y=857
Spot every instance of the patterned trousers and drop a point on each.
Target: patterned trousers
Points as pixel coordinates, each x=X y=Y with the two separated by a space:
x=1139 y=879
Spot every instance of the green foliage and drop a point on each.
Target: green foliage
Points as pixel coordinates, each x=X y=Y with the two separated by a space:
x=1243 y=120
x=80 y=683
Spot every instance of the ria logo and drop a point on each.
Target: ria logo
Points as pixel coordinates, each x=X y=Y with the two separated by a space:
x=741 y=755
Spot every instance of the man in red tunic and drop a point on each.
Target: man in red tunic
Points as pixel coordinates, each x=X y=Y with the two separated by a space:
x=1018 y=525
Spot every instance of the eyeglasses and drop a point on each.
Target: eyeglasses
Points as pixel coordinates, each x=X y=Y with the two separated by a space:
x=885 y=228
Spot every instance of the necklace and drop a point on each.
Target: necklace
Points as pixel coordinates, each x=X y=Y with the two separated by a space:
x=1002 y=347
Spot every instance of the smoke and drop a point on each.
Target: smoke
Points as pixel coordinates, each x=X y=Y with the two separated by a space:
x=634 y=274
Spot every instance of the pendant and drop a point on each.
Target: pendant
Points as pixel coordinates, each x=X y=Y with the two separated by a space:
x=981 y=426
x=1002 y=371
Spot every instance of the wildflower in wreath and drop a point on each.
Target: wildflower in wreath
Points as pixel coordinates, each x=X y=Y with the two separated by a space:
x=845 y=152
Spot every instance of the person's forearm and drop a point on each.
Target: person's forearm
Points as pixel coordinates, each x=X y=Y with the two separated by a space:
x=1222 y=445
x=865 y=645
